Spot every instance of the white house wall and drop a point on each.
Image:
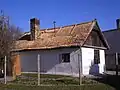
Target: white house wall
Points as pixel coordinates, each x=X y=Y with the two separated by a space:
x=102 y=61
x=49 y=61
x=88 y=61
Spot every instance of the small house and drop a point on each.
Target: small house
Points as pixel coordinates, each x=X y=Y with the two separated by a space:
x=65 y=50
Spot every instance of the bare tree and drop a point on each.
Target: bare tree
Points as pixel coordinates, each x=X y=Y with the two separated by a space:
x=8 y=34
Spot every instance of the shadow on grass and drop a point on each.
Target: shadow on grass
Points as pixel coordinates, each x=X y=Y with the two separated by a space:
x=111 y=80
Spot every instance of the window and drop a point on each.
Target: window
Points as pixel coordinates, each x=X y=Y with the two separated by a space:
x=96 y=57
x=66 y=57
x=118 y=59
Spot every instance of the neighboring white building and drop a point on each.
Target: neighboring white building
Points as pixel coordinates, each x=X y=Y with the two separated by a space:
x=62 y=50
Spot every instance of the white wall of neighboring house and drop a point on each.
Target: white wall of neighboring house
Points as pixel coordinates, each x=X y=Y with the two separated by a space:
x=88 y=61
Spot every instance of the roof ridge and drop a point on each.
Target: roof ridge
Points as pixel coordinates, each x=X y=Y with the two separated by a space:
x=28 y=32
x=70 y=25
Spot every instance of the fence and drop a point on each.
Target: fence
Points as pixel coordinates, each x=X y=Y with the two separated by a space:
x=53 y=77
x=3 y=70
x=41 y=79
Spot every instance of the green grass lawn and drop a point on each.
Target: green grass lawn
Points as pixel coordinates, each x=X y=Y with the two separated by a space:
x=46 y=79
x=83 y=87
x=58 y=82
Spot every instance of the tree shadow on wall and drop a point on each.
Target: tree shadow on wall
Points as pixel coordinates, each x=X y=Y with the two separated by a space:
x=94 y=69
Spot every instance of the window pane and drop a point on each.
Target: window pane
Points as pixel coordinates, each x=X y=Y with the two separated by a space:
x=96 y=57
x=118 y=59
x=66 y=57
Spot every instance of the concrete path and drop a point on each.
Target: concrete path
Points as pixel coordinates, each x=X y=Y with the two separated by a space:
x=8 y=78
x=112 y=72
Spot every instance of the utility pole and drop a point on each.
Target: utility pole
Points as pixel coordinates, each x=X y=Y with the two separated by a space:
x=79 y=67
x=5 y=70
x=116 y=60
x=38 y=69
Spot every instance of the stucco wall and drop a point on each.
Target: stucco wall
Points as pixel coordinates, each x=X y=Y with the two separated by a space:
x=102 y=61
x=50 y=61
x=88 y=62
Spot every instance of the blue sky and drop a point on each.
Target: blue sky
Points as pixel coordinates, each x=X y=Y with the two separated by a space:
x=64 y=12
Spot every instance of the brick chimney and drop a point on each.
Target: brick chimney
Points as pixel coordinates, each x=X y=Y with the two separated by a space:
x=118 y=24
x=34 y=28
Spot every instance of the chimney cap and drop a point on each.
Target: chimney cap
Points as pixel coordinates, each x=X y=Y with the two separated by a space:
x=118 y=19
x=118 y=24
x=35 y=21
